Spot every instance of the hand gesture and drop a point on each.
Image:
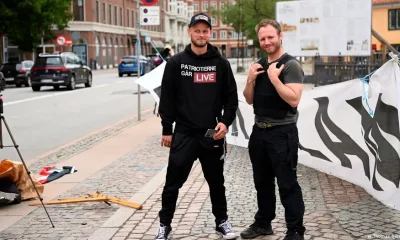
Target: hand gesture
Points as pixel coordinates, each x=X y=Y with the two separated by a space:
x=166 y=141
x=273 y=72
x=221 y=131
x=253 y=72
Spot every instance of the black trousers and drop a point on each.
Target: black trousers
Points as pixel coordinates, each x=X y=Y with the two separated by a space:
x=184 y=151
x=274 y=153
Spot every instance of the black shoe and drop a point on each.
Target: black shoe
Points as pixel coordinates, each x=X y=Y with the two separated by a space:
x=163 y=232
x=293 y=235
x=225 y=230
x=254 y=231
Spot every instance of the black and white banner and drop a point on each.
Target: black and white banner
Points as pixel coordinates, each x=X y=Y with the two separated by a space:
x=349 y=130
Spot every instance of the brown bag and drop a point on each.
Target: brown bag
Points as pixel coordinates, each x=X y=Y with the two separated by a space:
x=15 y=172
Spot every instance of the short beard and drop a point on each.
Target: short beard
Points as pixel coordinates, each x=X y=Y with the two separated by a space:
x=277 y=46
x=198 y=45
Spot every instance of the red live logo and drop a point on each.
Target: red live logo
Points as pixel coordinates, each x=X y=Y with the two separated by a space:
x=205 y=77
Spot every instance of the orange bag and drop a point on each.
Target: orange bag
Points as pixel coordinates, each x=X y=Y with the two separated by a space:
x=15 y=172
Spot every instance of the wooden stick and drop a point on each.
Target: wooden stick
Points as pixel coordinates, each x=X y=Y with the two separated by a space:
x=95 y=197
x=70 y=200
x=118 y=201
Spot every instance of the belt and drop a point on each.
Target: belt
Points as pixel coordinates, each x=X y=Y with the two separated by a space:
x=264 y=125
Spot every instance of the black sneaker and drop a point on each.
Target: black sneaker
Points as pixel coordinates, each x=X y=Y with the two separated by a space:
x=254 y=231
x=163 y=232
x=225 y=229
x=293 y=235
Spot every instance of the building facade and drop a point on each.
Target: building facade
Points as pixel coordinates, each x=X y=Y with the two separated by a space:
x=177 y=17
x=230 y=43
x=102 y=31
x=386 y=22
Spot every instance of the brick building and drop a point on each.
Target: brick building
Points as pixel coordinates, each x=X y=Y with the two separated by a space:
x=102 y=31
x=229 y=42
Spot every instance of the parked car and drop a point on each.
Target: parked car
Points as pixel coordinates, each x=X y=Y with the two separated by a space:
x=128 y=65
x=153 y=59
x=60 y=69
x=17 y=73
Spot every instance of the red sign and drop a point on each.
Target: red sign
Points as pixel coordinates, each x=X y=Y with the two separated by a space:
x=205 y=77
x=68 y=41
x=149 y=2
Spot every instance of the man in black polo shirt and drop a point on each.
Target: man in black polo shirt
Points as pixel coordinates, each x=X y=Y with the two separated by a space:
x=274 y=87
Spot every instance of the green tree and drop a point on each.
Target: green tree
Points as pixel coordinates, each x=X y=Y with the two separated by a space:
x=27 y=21
x=244 y=15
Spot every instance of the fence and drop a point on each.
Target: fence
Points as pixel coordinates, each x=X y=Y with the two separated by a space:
x=331 y=70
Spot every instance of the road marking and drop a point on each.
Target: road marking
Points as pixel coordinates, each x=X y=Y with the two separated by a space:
x=53 y=95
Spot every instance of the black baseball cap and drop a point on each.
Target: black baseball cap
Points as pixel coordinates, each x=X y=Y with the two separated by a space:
x=200 y=17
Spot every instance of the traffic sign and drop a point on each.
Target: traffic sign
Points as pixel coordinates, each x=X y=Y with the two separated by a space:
x=68 y=41
x=149 y=2
x=150 y=15
x=60 y=40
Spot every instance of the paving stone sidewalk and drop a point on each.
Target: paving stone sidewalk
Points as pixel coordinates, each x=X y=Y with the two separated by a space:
x=122 y=179
x=335 y=209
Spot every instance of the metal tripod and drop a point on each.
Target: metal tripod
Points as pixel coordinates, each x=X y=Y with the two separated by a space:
x=3 y=120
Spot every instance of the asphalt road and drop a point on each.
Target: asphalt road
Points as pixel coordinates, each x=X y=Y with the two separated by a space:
x=42 y=121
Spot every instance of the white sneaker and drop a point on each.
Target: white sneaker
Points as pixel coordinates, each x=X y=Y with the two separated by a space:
x=163 y=232
x=225 y=229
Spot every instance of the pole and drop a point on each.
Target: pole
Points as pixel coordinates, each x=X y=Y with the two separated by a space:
x=138 y=45
x=42 y=45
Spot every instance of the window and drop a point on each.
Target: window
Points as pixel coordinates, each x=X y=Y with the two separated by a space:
x=133 y=19
x=214 y=35
x=109 y=14
x=223 y=34
x=196 y=7
x=234 y=35
x=46 y=61
x=77 y=8
x=172 y=6
x=115 y=16
x=222 y=5
x=104 y=13
x=213 y=21
x=214 y=5
x=120 y=17
x=127 y=18
x=70 y=60
x=204 y=6
x=394 y=19
x=97 y=12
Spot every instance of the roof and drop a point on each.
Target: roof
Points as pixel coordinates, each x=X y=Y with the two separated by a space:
x=380 y=2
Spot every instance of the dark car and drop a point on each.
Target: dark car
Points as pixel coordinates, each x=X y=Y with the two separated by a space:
x=17 y=73
x=60 y=69
x=128 y=65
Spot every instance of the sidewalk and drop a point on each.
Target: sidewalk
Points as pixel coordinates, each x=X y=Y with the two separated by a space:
x=127 y=161
x=334 y=209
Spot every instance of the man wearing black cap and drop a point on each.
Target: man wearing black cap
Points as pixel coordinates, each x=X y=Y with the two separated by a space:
x=198 y=84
